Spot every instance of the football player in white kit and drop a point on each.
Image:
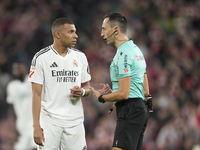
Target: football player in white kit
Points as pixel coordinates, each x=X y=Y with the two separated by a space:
x=19 y=95
x=60 y=77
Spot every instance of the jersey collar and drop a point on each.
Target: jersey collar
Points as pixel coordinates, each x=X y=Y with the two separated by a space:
x=51 y=46
x=54 y=50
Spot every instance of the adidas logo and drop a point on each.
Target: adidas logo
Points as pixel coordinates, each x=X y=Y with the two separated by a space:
x=54 y=65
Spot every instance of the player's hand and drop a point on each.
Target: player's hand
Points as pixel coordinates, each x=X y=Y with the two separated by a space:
x=38 y=136
x=96 y=94
x=105 y=89
x=76 y=92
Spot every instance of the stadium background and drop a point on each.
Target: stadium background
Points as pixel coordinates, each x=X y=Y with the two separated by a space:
x=168 y=33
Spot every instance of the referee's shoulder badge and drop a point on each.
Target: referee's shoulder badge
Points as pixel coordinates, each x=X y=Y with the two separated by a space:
x=138 y=58
x=75 y=63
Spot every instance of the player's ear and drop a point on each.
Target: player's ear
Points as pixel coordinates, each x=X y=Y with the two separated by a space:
x=57 y=34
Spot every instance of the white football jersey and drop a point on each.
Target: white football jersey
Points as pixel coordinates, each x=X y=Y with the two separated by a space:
x=58 y=75
x=19 y=94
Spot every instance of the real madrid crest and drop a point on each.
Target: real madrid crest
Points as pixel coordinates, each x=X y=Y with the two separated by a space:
x=75 y=63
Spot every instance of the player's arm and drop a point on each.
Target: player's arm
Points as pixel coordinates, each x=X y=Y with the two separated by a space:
x=85 y=86
x=121 y=94
x=36 y=107
x=146 y=86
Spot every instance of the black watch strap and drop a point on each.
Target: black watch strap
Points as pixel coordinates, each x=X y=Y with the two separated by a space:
x=100 y=99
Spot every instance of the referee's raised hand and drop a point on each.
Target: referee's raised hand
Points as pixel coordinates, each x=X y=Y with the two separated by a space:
x=96 y=94
x=105 y=89
x=38 y=136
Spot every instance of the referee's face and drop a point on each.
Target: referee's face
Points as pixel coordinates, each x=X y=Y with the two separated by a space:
x=68 y=36
x=107 y=32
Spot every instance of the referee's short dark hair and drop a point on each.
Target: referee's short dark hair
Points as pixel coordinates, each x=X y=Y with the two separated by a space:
x=60 y=21
x=116 y=18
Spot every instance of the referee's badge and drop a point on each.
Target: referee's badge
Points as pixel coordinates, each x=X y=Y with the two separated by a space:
x=75 y=63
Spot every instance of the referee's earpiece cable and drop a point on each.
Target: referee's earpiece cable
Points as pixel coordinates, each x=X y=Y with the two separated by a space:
x=119 y=39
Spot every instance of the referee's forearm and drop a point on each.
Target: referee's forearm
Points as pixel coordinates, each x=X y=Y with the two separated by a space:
x=146 y=93
x=115 y=96
x=145 y=86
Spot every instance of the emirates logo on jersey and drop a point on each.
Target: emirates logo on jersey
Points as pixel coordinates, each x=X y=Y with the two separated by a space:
x=65 y=75
x=75 y=63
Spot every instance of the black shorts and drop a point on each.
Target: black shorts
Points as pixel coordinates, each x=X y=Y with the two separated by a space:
x=132 y=116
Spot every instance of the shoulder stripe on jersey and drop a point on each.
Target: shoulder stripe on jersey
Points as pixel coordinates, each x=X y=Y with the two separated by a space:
x=44 y=50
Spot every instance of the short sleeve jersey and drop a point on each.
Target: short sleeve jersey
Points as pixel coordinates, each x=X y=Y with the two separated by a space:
x=129 y=61
x=58 y=75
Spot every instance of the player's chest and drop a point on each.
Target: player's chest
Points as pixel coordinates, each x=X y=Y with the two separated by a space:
x=63 y=69
x=70 y=66
x=70 y=62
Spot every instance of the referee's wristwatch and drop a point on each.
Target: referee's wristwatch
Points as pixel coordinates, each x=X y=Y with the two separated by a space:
x=100 y=99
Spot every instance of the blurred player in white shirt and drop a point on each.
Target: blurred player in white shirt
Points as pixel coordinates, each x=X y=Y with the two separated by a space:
x=60 y=77
x=20 y=96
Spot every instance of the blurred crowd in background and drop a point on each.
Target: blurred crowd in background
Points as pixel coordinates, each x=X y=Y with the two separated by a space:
x=167 y=32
